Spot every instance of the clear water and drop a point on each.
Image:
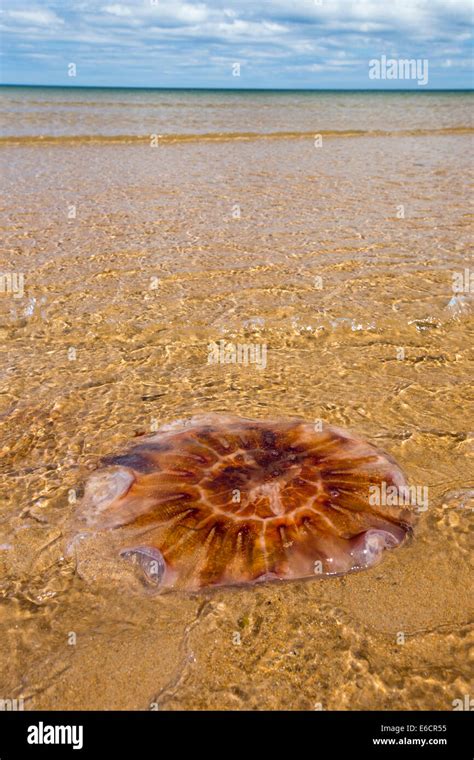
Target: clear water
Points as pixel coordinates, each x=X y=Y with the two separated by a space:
x=340 y=259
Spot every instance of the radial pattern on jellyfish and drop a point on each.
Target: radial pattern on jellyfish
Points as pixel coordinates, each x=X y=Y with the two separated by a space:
x=222 y=500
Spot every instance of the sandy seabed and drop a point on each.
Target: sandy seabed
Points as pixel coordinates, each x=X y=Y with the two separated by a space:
x=269 y=242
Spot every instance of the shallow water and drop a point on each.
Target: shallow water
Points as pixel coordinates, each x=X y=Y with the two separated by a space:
x=274 y=243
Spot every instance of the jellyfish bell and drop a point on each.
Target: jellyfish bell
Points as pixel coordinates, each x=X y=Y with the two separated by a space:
x=220 y=500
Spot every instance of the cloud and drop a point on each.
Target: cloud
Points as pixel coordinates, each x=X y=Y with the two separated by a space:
x=118 y=10
x=288 y=40
x=39 y=17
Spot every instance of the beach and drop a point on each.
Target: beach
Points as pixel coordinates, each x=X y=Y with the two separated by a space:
x=139 y=228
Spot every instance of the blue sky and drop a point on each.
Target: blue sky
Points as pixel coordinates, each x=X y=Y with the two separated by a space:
x=277 y=43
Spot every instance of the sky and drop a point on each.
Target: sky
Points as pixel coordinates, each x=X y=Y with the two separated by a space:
x=239 y=44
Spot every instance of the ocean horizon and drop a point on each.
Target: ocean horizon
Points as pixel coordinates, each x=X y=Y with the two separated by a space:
x=385 y=90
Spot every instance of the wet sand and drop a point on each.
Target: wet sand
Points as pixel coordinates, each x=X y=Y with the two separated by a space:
x=172 y=248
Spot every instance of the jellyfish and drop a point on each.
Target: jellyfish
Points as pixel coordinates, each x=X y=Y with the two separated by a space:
x=221 y=500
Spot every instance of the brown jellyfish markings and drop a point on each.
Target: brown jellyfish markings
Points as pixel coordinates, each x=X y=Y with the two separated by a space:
x=303 y=506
